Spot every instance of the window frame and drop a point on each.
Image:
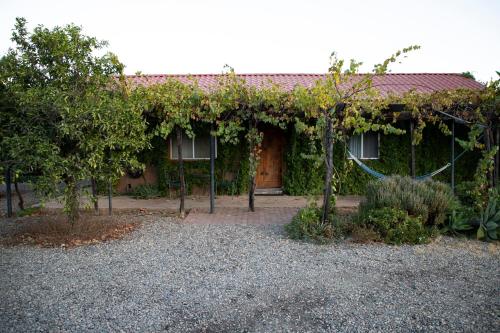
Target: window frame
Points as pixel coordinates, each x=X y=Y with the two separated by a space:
x=362 y=148
x=193 y=158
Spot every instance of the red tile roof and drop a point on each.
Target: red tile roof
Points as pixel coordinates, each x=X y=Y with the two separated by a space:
x=396 y=83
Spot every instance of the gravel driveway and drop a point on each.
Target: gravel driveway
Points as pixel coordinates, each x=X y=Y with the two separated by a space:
x=174 y=277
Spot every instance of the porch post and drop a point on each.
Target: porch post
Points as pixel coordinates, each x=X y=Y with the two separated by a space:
x=212 y=169
x=453 y=155
x=8 y=193
x=412 y=165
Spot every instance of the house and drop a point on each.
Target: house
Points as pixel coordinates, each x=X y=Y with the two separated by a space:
x=283 y=166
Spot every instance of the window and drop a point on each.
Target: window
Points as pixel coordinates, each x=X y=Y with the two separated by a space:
x=196 y=148
x=365 y=146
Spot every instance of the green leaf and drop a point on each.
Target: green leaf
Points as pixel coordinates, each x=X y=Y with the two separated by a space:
x=480 y=233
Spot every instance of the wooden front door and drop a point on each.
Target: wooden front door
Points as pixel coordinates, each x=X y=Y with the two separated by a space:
x=270 y=169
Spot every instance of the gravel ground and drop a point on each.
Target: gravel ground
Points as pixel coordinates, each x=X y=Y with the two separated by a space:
x=174 y=277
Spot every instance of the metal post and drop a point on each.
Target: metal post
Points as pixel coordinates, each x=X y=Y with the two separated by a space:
x=412 y=166
x=212 y=170
x=8 y=184
x=93 y=183
x=110 y=195
x=453 y=155
x=497 y=157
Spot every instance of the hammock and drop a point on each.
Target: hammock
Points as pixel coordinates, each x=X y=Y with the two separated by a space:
x=378 y=175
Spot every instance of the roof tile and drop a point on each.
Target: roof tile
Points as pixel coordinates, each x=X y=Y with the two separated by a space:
x=396 y=83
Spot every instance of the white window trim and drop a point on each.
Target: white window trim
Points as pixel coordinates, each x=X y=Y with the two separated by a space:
x=194 y=152
x=362 y=152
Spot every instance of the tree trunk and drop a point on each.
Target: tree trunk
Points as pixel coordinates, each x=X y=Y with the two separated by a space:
x=94 y=194
x=253 y=170
x=71 y=204
x=327 y=191
x=19 y=195
x=182 y=186
x=488 y=140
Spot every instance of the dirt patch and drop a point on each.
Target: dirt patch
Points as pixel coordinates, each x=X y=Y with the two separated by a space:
x=53 y=230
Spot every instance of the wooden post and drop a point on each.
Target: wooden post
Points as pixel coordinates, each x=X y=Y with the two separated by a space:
x=110 y=198
x=412 y=165
x=19 y=196
x=182 y=185
x=212 y=169
x=8 y=193
x=453 y=155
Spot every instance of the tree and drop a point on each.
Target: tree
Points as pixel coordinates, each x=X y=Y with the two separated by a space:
x=345 y=102
x=72 y=118
x=173 y=106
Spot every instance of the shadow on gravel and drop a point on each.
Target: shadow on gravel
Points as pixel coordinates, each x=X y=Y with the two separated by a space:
x=301 y=311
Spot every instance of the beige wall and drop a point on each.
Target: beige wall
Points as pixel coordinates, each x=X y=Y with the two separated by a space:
x=127 y=184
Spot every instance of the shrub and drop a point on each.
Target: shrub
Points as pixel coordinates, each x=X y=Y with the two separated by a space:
x=464 y=192
x=430 y=200
x=365 y=234
x=395 y=226
x=307 y=225
x=146 y=191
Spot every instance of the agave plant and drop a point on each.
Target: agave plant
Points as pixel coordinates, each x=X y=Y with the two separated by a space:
x=457 y=223
x=489 y=221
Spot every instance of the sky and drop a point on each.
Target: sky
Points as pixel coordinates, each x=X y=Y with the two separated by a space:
x=255 y=36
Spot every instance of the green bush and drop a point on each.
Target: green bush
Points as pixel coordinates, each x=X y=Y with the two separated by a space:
x=307 y=225
x=430 y=200
x=464 y=192
x=146 y=191
x=395 y=226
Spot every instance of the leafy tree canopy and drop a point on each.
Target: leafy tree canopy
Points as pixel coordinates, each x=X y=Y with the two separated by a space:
x=66 y=115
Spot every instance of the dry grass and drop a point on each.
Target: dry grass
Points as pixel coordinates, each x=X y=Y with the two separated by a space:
x=55 y=231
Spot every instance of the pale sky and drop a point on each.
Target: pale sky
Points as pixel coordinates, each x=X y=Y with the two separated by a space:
x=255 y=36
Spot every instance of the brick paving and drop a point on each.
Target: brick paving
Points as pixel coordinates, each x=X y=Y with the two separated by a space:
x=229 y=209
x=235 y=215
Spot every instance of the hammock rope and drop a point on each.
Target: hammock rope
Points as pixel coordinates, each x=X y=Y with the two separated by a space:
x=379 y=175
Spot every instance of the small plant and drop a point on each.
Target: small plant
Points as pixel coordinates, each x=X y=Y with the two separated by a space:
x=489 y=221
x=458 y=222
x=146 y=191
x=395 y=226
x=307 y=225
x=28 y=211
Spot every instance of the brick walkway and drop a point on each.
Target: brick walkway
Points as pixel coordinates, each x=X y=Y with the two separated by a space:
x=234 y=215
